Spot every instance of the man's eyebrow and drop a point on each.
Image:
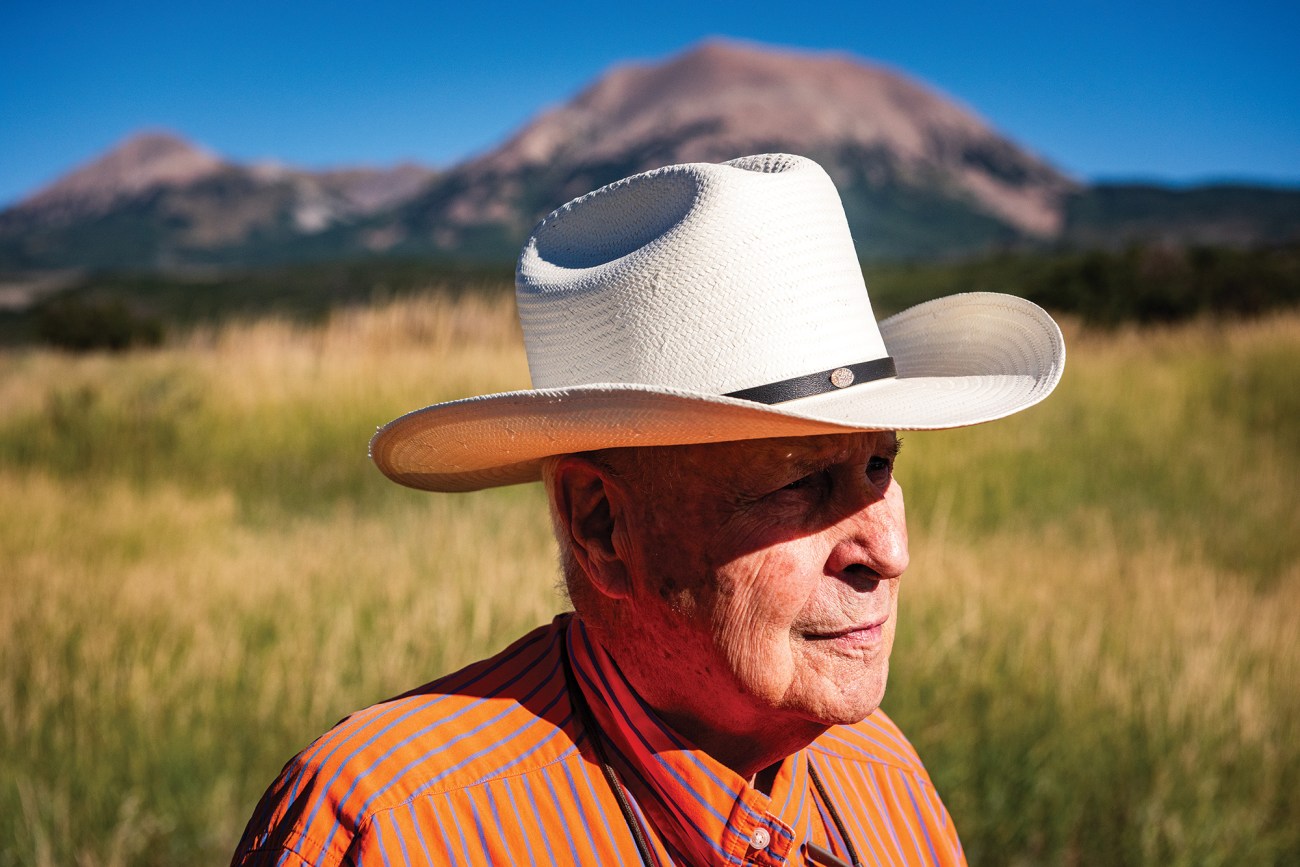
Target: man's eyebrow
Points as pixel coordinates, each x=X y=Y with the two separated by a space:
x=809 y=460
x=800 y=461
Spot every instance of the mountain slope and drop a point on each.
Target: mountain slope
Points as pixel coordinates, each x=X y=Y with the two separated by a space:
x=919 y=174
x=1233 y=215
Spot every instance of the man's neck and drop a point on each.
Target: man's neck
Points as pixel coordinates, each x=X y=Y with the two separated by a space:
x=765 y=779
x=748 y=752
x=747 y=746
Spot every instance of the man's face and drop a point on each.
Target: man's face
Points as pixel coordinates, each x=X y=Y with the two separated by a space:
x=763 y=579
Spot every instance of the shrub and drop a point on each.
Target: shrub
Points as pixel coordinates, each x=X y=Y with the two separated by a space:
x=84 y=324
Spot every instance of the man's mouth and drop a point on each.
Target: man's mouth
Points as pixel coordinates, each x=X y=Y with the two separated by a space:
x=860 y=635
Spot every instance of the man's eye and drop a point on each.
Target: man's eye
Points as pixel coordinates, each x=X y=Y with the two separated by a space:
x=812 y=480
x=880 y=470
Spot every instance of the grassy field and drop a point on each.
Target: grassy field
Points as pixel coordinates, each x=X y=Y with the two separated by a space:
x=199 y=571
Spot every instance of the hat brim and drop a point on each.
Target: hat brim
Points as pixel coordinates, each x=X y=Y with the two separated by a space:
x=961 y=360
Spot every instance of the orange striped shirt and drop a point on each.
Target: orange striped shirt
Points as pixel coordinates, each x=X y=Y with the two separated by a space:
x=492 y=765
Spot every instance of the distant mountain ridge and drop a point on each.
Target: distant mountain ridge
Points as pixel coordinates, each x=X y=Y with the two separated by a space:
x=141 y=163
x=157 y=200
x=920 y=175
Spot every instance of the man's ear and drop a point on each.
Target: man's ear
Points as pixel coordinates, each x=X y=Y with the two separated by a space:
x=588 y=501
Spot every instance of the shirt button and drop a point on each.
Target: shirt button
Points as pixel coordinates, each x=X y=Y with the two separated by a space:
x=760 y=838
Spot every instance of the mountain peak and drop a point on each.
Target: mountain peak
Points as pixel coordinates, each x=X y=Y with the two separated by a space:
x=804 y=99
x=138 y=163
x=721 y=99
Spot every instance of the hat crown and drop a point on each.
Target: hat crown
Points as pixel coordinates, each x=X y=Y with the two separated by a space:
x=704 y=277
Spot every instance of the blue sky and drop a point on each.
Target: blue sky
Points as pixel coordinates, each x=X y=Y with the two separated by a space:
x=1179 y=92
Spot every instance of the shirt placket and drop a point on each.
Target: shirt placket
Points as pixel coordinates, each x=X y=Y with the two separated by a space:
x=755 y=836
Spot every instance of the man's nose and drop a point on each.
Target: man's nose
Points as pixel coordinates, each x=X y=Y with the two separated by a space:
x=873 y=539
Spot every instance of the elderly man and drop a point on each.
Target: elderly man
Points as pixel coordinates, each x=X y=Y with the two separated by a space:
x=713 y=414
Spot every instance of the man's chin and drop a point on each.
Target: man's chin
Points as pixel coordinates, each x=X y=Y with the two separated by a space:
x=848 y=709
x=856 y=697
x=852 y=717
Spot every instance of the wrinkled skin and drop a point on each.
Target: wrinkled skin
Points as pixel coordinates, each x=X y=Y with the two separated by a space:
x=748 y=590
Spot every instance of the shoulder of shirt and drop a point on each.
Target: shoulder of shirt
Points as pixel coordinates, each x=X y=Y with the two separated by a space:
x=876 y=740
x=501 y=717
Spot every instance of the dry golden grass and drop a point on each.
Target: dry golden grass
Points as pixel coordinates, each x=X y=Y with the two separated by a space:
x=200 y=572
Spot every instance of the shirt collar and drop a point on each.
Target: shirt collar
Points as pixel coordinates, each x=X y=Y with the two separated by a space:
x=699 y=807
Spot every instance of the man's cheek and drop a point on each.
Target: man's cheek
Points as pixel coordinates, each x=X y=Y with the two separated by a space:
x=761 y=600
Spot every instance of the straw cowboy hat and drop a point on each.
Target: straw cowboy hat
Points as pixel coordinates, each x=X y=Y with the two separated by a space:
x=715 y=302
